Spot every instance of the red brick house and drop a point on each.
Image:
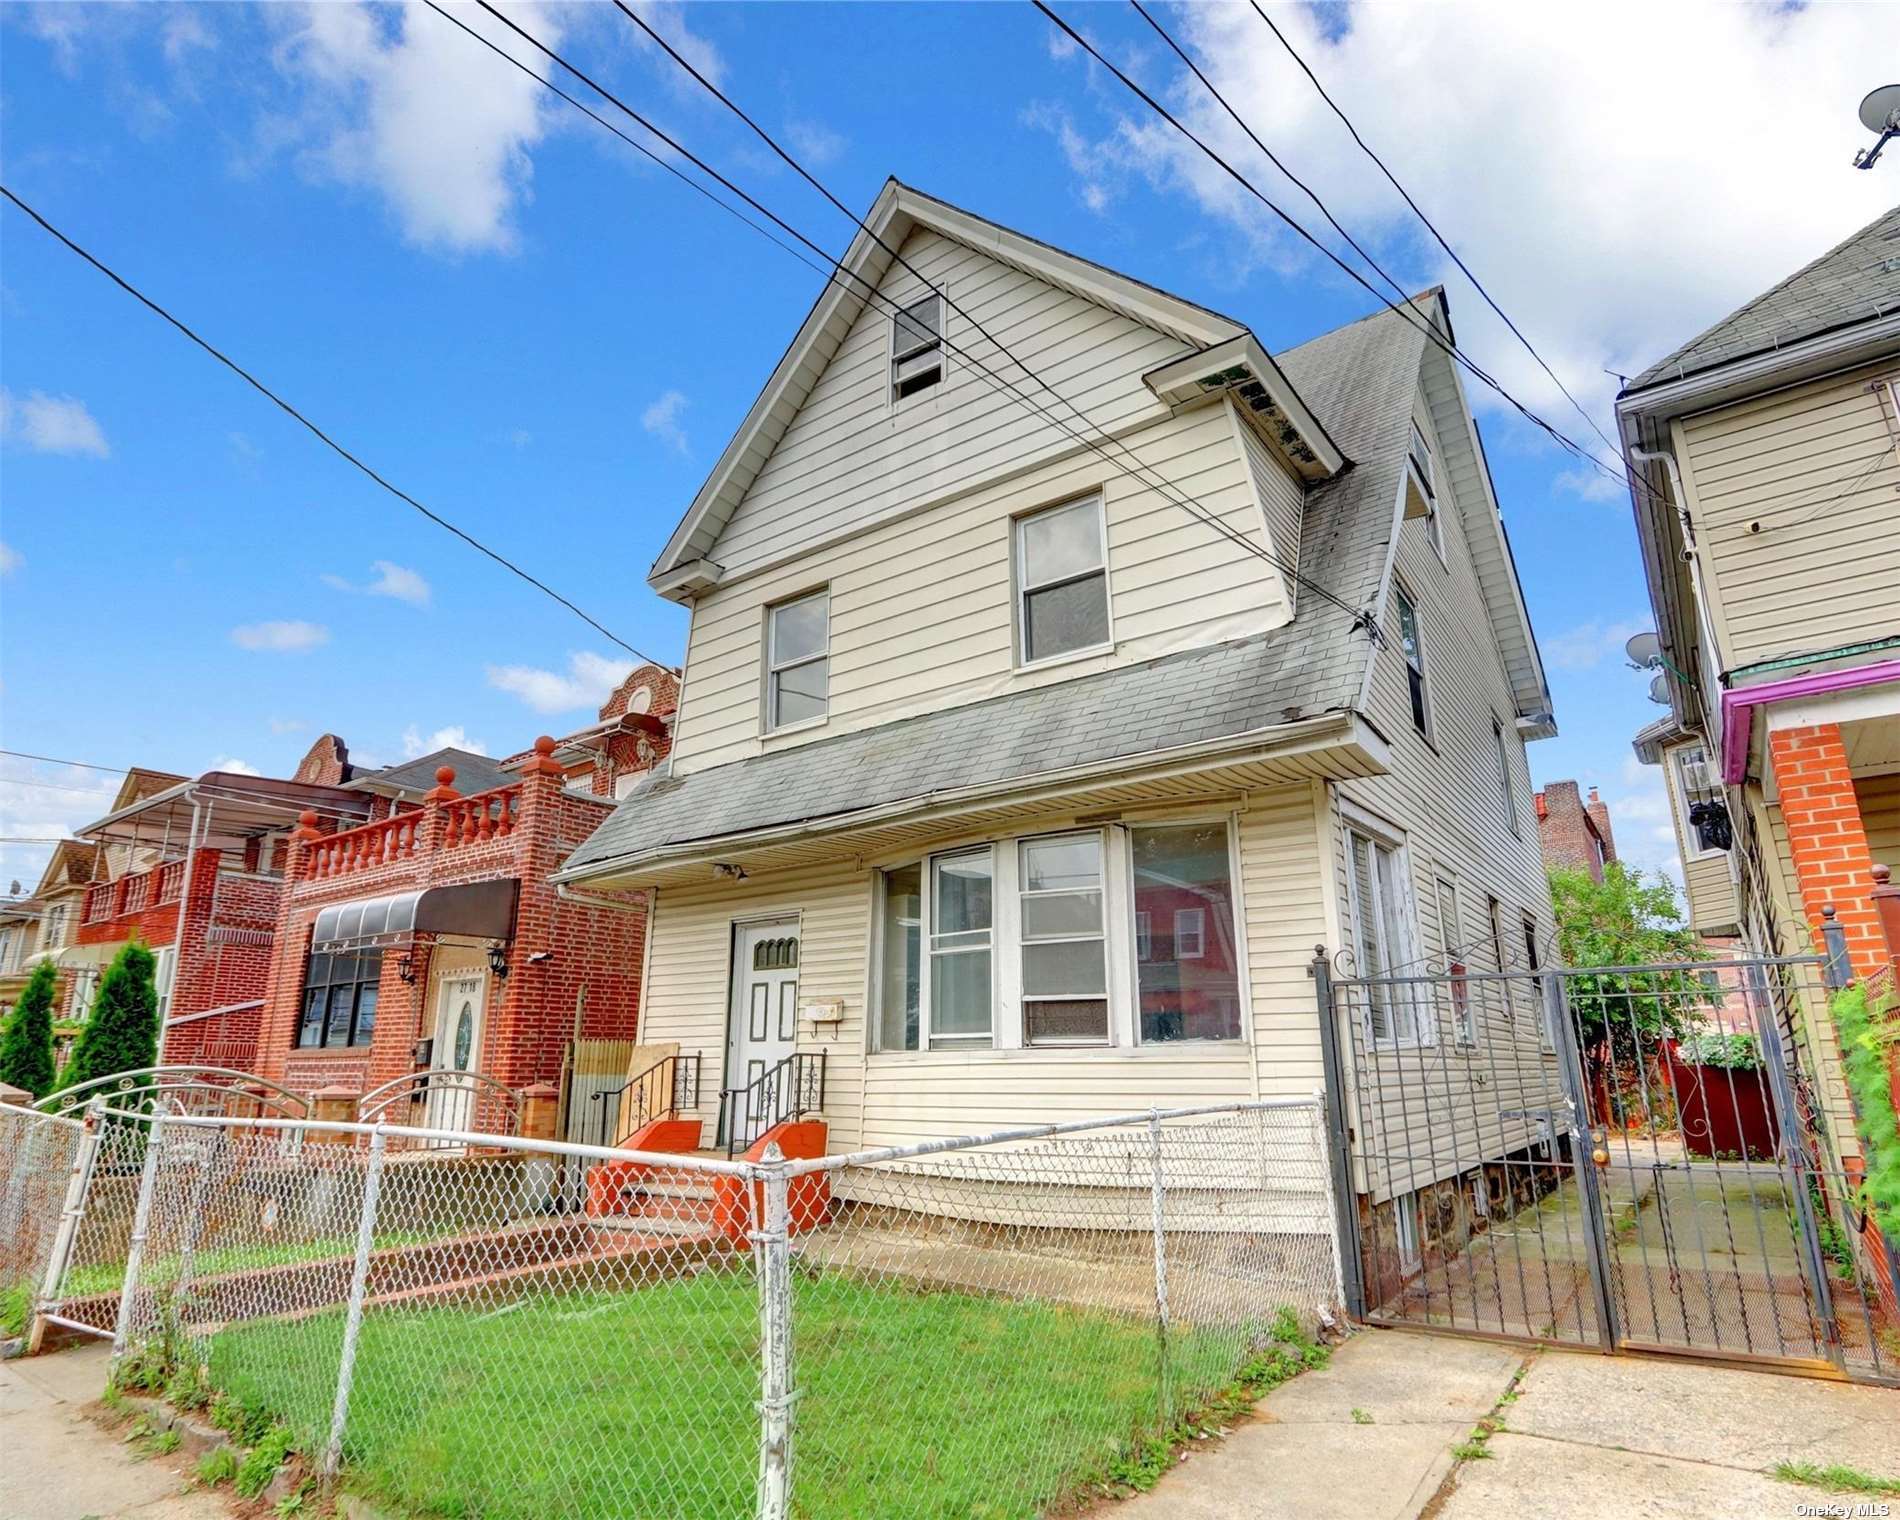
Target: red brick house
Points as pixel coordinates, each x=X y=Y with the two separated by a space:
x=430 y=940
x=1575 y=835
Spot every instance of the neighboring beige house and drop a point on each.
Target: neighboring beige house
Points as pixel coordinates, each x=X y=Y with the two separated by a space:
x=1768 y=455
x=1015 y=788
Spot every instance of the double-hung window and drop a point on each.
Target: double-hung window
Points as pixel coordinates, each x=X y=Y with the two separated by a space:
x=797 y=661
x=1412 y=646
x=1064 y=940
x=1383 y=939
x=917 y=347
x=1062 y=576
x=339 y=998
x=962 y=935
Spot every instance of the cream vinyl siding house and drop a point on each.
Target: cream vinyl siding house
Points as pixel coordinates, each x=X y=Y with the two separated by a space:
x=1032 y=883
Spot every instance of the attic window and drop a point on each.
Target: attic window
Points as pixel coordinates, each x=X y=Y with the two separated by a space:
x=917 y=347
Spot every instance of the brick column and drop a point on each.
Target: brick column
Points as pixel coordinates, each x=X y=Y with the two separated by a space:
x=1832 y=860
x=540 y=1111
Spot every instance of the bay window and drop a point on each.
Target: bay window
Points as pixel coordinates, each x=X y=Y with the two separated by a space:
x=1099 y=937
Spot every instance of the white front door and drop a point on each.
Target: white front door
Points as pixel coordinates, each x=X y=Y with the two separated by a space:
x=764 y=1000
x=457 y=1048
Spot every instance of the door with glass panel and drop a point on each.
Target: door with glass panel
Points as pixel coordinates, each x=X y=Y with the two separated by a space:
x=456 y=1052
x=764 y=1006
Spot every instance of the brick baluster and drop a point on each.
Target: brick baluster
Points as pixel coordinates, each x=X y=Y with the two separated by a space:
x=439 y=812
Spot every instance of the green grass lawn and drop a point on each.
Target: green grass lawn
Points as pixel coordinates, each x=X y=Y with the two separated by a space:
x=641 y=1403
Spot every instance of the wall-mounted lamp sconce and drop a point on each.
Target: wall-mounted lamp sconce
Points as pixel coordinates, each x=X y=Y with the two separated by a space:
x=498 y=961
x=406 y=967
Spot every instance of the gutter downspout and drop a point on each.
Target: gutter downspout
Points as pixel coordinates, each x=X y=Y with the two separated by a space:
x=1692 y=552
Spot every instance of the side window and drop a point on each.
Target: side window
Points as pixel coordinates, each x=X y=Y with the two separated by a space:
x=797 y=661
x=1383 y=939
x=917 y=347
x=1696 y=787
x=1412 y=647
x=962 y=923
x=1505 y=779
x=1451 y=937
x=1062 y=581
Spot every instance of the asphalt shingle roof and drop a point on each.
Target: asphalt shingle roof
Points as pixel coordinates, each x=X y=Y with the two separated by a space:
x=473 y=773
x=1853 y=282
x=1359 y=380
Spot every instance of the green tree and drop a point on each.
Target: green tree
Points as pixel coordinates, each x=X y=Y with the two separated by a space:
x=1626 y=920
x=121 y=1032
x=26 y=1045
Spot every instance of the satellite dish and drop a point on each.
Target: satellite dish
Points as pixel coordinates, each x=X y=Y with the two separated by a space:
x=1877 y=111
x=1645 y=651
x=1659 y=690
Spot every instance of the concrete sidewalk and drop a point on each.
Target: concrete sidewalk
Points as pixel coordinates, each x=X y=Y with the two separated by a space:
x=1371 y=1437
x=1308 y=1454
x=59 y=1465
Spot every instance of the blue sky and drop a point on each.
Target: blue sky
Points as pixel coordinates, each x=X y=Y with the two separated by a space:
x=548 y=340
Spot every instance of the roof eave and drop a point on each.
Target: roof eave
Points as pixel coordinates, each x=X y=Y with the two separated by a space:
x=1243 y=365
x=1845 y=347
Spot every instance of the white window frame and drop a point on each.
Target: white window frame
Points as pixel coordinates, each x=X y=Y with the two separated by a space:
x=1402 y=597
x=164 y=974
x=1464 y=1017
x=85 y=992
x=1022 y=588
x=53 y=927
x=927 y=1037
x=900 y=404
x=1679 y=791
x=1023 y=998
x=773 y=668
x=1507 y=776
x=1424 y=1029
x=1406 y=1232
x=1198 y=918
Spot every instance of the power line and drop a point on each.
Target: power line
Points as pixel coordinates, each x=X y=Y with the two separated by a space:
x=1418 y=211
x=1428 y=329
x=47 y=786
x=84 y=765
x=297 y=416
x=875 y=295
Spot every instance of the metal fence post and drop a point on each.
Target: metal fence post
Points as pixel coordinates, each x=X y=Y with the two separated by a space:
x=210 y=1146
x=1345 y=1213
x=78 y=1186
x=771 y=1243
x=353 y=1315
x=1318 y=1130
x=1158 y=1193
x=135 y=1249
x=1597 y=1253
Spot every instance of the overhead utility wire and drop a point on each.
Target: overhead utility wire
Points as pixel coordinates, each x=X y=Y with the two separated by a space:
x=638 y=147
x=876 y=295
x=297 y=416
x=84 y=765
x=1418 y=211
x=1149 y=477
x=1430 y=331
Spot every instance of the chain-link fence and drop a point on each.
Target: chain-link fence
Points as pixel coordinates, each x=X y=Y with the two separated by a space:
x=37 y=1152
x=985 y=1326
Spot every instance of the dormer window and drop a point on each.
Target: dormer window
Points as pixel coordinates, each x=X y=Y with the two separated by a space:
x=917 y=347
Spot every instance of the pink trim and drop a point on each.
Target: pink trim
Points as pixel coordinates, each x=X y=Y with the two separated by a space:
x=1738 y=705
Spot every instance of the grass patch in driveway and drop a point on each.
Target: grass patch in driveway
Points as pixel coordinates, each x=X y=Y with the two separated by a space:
x=911 y=1405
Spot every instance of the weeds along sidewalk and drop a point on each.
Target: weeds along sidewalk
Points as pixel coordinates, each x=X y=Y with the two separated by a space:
x=474 y=1324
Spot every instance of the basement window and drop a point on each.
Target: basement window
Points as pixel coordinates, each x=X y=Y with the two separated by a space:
x=917 y=347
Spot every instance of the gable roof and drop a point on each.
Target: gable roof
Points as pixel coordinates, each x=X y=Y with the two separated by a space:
x=898 y=210
x=473 y=773
x=1856 y=281
x=73 y=864
x=1314 y=666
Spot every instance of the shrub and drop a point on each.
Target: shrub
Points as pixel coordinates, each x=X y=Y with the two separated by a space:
x=1866 y=1031
x=121 y=1033
x=26 y=1046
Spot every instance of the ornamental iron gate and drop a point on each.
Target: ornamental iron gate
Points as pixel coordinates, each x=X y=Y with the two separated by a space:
x=1623 y=1158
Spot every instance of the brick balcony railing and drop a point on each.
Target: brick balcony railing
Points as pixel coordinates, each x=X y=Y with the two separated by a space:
x=133 y=894
x=465 y=821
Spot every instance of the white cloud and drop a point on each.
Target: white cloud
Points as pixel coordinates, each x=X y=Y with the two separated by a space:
x=415 y=744
x=51 y=424
x=234 y=765
x=815 y=143
x=1589 y=161
x=408 y=106
x=280 y=637
x=661 y=419
x=589 y=679
x=520 y=438
x=287 y=725
x=391 y=580
x=1589 y=644
x=10 y=559
x=184 y=33
x=44 y=801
